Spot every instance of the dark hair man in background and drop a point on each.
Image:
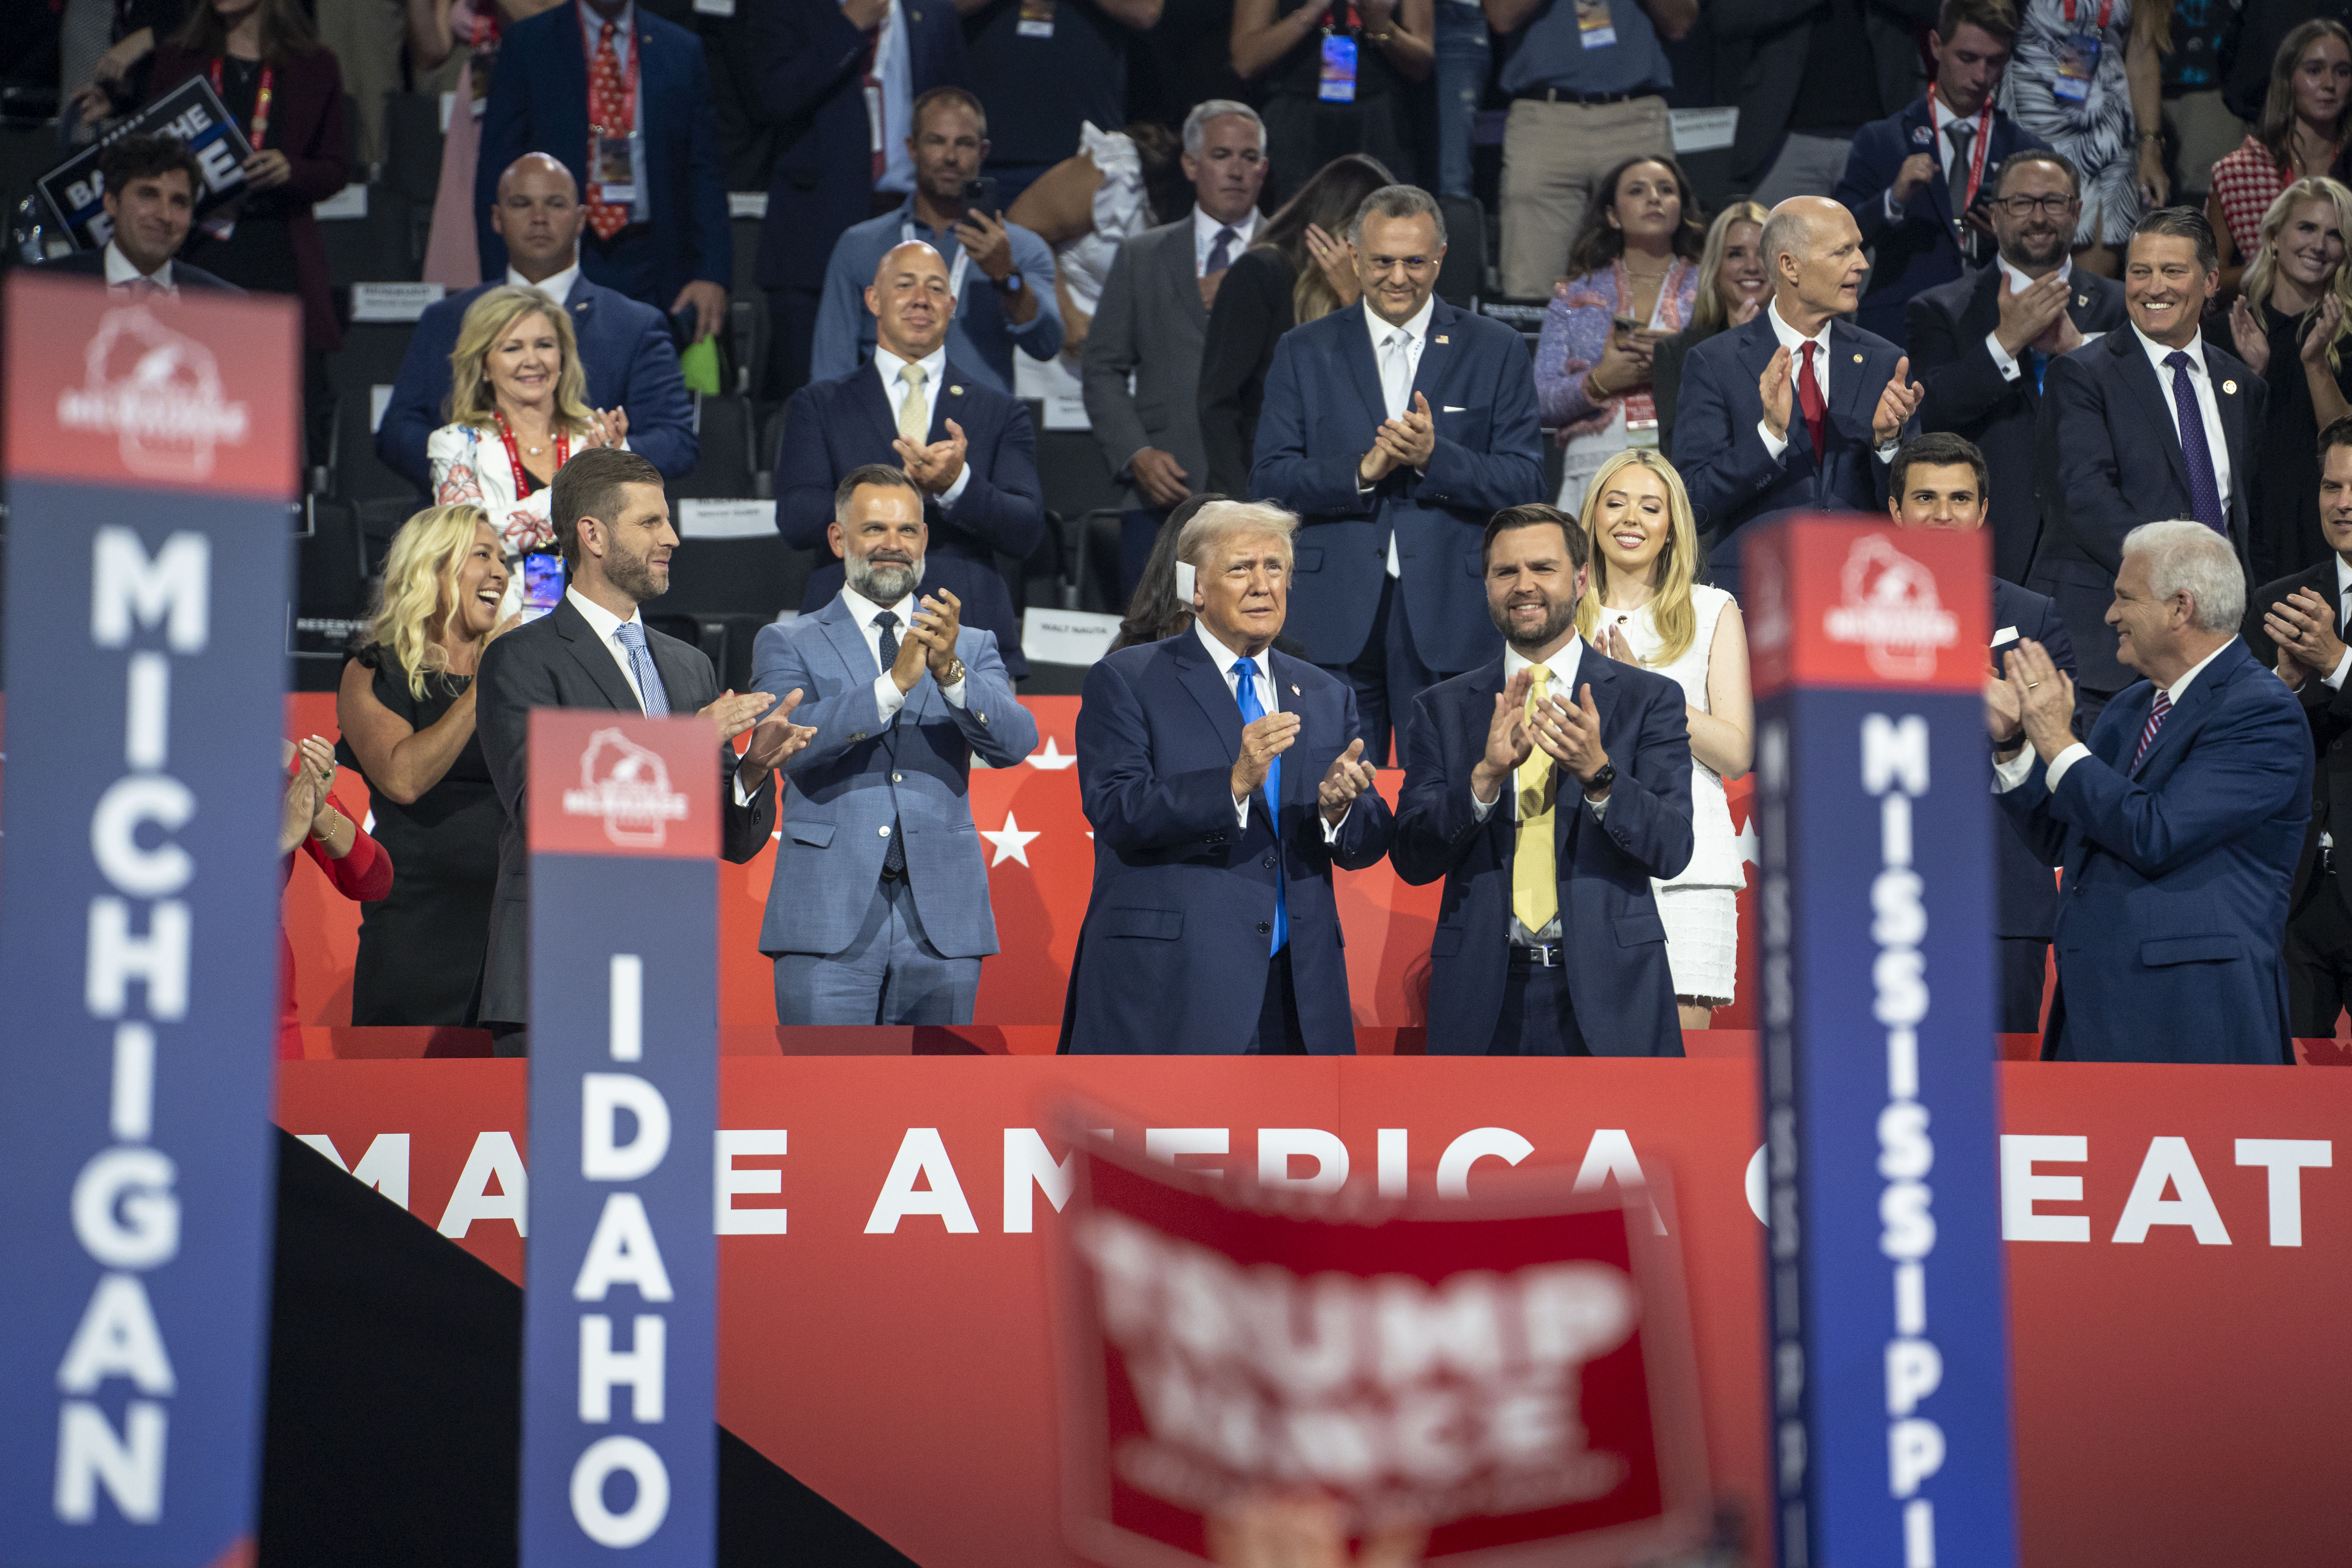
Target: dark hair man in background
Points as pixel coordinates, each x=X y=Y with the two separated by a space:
x=150 y=198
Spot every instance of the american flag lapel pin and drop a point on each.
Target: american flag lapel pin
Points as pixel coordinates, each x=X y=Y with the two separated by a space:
x=1444 y=339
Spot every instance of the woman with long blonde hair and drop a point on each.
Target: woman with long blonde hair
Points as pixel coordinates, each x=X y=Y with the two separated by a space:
x=406 y=709
x=2289 y=323
x=1644 y=607
x=518 y=407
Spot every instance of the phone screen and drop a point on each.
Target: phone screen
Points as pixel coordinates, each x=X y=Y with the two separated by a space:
x=542 y=584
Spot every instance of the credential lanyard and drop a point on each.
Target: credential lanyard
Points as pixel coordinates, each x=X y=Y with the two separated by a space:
x=259 y=131
x=2106 y=12
x=521 y=475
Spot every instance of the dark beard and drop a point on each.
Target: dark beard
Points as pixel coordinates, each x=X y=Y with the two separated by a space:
x=634 y=575
x=1562 y=617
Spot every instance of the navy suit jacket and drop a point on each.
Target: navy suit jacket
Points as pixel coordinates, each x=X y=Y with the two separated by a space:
x=1923 y=250
x=860 y=776
x=2174 y=898
x=806 y=58
x=2108 y=460
x=1323 y=406
x=1733 y=479
x=538 y=103
x=1615 y=942
x=2025 y=895
x=2329 y=713
x=93 y=264
x=625 y=351
x=1173 y=957
x=832 y=427
x=1968 y=394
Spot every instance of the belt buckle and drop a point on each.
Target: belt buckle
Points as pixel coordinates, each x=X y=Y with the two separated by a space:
x=1546 y=955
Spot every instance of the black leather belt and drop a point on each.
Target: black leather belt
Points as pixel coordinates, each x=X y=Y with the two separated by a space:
x=1562 y=95
x=1539 y=955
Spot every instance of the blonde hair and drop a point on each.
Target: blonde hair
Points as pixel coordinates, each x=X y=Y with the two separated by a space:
x=2262 y=276
x=419 y=599
x=487 y=320
x=1671 y=610
x=1709 y=313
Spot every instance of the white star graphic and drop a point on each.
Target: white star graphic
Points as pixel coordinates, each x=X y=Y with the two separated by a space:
x=1751 y=849
x=1012 y=844
x=1051 y=758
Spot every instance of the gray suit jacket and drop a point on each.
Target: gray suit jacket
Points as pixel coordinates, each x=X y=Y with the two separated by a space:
x=1150 y=322
x=859 y=776
x=557 y=662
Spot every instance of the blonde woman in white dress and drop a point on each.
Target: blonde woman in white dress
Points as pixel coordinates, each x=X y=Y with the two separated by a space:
x=1642 y=608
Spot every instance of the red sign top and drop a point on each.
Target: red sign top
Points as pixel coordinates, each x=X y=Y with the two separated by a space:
x=621 y=784
x=200 y=392
x=1834 y=601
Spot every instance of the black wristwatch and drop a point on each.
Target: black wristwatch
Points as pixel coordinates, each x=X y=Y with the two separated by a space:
x=1600 y=780
x=1008 y=284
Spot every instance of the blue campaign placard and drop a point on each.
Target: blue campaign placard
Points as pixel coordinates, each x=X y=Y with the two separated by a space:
x=1889 y=1364
x=620 y=1442
x=139 y=957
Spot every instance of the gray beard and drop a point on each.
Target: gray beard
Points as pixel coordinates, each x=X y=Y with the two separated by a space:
x=886 y=584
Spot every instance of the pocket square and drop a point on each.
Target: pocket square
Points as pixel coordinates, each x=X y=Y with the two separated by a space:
x=2006 y=634
x=1451 y=408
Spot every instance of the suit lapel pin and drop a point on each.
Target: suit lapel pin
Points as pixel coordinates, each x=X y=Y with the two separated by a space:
x=2082 y=298
x=1857 y=359
x=955 y=392
x=1444 y=339
x=1294 y=689
x=2230 y=387
x=1921 y=136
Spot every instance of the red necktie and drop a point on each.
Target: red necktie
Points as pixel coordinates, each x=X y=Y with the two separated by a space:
x=2162 y=706
x=1809 y=398
x=608 y=102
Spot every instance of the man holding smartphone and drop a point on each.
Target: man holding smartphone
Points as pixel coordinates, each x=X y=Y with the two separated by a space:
x=1001 y=275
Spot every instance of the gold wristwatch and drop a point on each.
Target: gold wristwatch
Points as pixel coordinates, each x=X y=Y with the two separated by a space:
x=954 y=674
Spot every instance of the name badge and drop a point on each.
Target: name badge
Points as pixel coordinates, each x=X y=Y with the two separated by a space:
x=1338 y=82
x=1036 y=19
x=613 y=169
x=1594 y=29
x=2078 y=62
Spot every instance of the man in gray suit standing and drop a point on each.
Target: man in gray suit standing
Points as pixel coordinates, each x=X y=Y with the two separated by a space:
x=1152 y=320
x=880 y=911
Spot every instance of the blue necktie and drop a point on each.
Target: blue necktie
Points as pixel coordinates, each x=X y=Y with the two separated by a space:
x=2204 y=492
x=1245 y=693
x=641 y=662
x=2040 y=363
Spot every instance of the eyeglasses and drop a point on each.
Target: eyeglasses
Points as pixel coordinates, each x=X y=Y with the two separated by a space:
x=2026 y=206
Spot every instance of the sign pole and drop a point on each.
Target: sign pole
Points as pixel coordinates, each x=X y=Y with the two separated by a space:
x=1888 y=1372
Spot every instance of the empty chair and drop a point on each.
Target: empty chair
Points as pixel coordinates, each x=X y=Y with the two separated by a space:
x=723 y=470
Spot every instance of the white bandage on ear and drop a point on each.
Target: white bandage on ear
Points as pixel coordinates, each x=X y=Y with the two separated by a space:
x=1184 y=575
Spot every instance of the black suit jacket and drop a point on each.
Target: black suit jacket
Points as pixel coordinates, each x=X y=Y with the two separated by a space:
x=2107 y=459
x=2025 y=895
x=2330 y=715
x=1968 y=394
x=557 y=662
x=93 y=264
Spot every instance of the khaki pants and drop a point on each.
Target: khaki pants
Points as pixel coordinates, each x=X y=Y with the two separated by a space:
x=1553 y=157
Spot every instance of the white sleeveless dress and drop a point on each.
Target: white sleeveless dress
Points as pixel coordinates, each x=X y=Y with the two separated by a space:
x=1698 y=907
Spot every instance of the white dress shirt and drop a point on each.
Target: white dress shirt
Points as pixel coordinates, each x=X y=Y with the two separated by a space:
x=2207 y=404
x=2018 y=282
x=607 y=627
x=121 y=272
x=888 y=697
x=1224 y=659
x=1794 y=341
x=591 y=28
x=894 y=392
x=1398 y=366
x=1563 y=666
x=556 y=287
x=1205 y=230
x=2007 y=775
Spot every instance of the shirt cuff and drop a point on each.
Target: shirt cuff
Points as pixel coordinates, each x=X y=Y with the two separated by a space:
x=2003 y=361
x=1886 y=453
x=2334 y=678
x=1240 y=814
x=2063 y=760
x=2009 y=776
x=1600 y=808
x=1479 y=808
x=1893 y=211
x=888 y=697
x=954 y=492
x=1773 y=446
x=954 y=694
x=742 y=795
x=1331 y=828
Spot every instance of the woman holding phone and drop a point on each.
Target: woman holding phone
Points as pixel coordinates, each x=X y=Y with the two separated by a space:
x=406 y=709
x=1633 y=267
x=518 y=408
x=1336 y=77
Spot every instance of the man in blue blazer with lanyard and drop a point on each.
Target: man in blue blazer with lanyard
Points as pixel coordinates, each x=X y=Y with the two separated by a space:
x=970 y=451
x=1548 y=789
x=1799 y=410
x=1913 y=180
x=1225 y=781
x=878 y=912
x=602 y=80
x=2178 y=824
x=839 y=82
x=1940 y=481
x=2150 y=421
x=1395 y=431
x=625 y=347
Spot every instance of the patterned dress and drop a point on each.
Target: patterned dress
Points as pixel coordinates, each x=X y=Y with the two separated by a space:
x=2247 y=181
x=2096 y=132
x=1575 y=334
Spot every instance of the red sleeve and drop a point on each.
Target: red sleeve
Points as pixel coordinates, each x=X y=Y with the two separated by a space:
x=362 y=876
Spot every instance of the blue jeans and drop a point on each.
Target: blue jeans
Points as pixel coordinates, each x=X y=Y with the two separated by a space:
x=1461 y=84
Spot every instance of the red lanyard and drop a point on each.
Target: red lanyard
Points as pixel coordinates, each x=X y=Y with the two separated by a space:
x=2106 y=10
x=1976 y=159
x=259 y=130
x=521 y=475
x=629 y=89
x=1347 y=20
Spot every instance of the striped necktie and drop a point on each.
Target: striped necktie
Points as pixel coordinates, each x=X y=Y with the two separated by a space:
x=2156 y=715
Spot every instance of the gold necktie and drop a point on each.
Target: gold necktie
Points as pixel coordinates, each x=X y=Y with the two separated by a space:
x=1535 y=863
x=915 y=412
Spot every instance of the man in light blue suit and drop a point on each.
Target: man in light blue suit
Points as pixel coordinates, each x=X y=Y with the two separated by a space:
x=1225 y=781
x=880 y=911
x=1395 y=431
x=2178 y=824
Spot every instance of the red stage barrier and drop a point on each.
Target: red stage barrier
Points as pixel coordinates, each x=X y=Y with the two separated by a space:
x=2180 y=1397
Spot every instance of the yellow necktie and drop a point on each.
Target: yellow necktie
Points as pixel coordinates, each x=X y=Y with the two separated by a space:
x=915 y=412
x=1535 y=863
